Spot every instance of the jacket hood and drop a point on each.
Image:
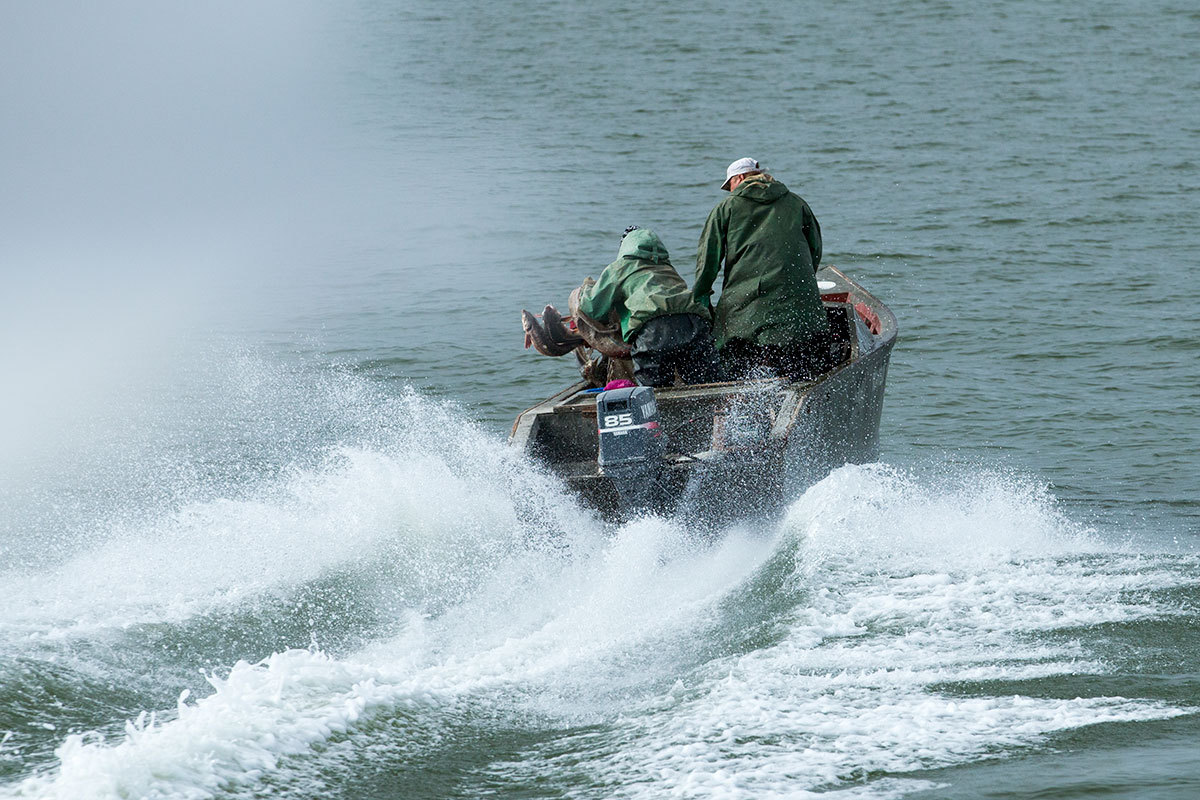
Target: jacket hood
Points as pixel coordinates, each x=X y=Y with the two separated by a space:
x=761 y=189
x=643 y=244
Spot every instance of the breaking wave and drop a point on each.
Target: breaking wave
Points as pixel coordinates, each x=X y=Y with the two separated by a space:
x=424 y=588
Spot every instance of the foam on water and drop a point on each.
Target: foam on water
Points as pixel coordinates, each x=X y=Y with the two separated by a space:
x=902 y=590
x=531 y=621
x=435 y=496
x=805 y=658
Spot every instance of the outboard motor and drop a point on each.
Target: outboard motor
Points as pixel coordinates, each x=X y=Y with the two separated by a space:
x=632 y=444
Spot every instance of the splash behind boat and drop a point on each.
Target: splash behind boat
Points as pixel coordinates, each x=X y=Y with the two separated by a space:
x=722 y=450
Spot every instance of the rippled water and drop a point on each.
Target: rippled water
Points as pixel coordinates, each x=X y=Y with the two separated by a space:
x=260 y=532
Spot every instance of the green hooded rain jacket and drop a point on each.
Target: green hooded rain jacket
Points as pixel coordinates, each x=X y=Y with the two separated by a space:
x=639 y=286
x=770 y=243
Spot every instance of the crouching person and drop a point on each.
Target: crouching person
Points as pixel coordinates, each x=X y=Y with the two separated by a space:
x=669 y=332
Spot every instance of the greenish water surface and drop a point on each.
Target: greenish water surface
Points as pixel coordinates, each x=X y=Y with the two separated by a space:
x=262 y=339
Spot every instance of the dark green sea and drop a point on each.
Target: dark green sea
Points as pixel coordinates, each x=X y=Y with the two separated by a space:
x=260 y=532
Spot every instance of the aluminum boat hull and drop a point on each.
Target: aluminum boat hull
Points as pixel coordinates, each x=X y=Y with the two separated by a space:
x=738 y=449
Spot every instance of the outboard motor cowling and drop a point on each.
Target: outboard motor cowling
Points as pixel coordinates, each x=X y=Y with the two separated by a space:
x=632 y=445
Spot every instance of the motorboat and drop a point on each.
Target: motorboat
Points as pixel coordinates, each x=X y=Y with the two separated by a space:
x=722 y=450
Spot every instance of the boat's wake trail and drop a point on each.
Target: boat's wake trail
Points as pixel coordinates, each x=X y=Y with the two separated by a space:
x=913 y=628
x=472 y=615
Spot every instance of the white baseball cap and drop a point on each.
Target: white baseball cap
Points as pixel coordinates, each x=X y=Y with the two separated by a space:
x=739 y=167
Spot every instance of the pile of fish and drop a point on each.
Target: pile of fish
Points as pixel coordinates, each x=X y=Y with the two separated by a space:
x=549 y=333
x=552 y=334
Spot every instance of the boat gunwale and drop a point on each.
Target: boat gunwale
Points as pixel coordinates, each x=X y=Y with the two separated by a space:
x=574 y=399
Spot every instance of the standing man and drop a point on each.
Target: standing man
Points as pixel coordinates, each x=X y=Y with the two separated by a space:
x=770 y=312
x=667 y=329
